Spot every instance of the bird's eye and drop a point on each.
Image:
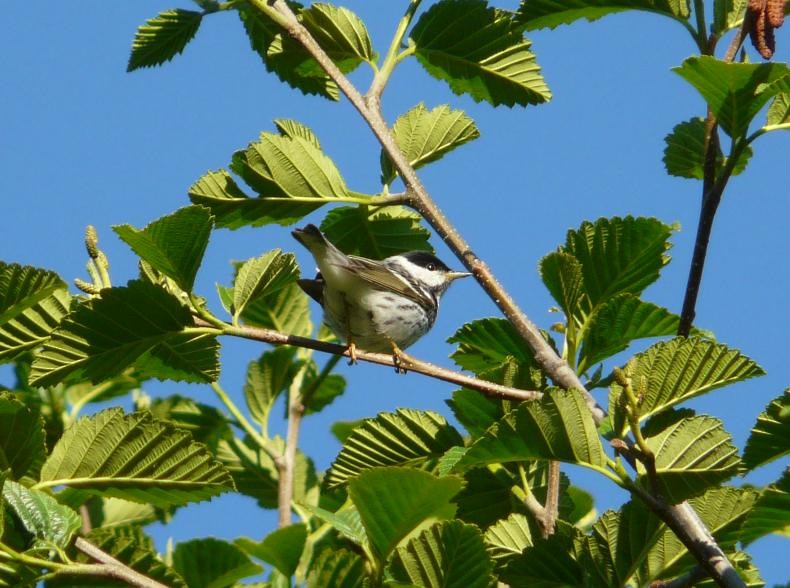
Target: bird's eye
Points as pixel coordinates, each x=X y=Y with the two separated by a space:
x=431 y=267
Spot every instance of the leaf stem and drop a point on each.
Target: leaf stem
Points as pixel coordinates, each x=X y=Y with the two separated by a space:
x=242 y=420
x=393 y=56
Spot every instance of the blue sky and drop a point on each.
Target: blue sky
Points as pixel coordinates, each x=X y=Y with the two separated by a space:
x=82 y=141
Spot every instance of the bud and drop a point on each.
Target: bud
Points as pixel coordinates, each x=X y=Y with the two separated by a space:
x=92 y=241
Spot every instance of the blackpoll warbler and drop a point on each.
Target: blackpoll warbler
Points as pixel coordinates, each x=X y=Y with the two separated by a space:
x=379 y=306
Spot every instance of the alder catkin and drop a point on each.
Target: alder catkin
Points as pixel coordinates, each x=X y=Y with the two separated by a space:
x=761 y=33
x=775 y=9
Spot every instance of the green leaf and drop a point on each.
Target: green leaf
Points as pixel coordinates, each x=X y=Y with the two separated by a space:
x=395 y=502
x=211 y=563
x=286 y=310
x=281 y=548
x=684 y=155
x=205 y=423
x=33 y=301
x=105 y=335
x=135 y=458
x=296 y=68
x=492 y=345
x=744 y=567
x=479 y=51
x=488 y=497
x=427 y=135
x=262 y=275
x=722 y=510
x=549 y=563
x=233 y=209
x=735 y=92
x=22 y=439
x=406 y=437
x=541 y=14
x=266 y=379
x=771 y=511
x=727 y=14
x=163 y=37
x=131 y=547
x=692 y=453
x=475 y=411
x=561 y=272
x=342 y=429
x=174 y=244
x=48 y=522
x=619 y=321
x=389 y=231
x=507 y=538
x=618 y=255
x=450 y=553
x=558 y=427
x=110 y=513
x=339 y=568
x=318 y=393
x=779 y=111
x=292 y=128
x=770 y=436
x=345 y=521
x=671 y=372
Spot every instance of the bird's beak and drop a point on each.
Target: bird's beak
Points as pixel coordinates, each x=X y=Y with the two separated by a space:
x=455 y=275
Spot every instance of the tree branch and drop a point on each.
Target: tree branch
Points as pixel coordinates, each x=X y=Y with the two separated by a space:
x=695 y=536
x=406 y=361
x=287 y=461
x=111 y=567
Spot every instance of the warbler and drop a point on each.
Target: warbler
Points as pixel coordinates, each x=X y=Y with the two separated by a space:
x=379 y=306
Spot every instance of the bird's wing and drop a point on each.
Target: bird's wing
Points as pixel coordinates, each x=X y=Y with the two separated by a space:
x=380 y=276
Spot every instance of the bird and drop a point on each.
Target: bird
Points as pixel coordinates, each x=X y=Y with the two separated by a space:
x=379 y=306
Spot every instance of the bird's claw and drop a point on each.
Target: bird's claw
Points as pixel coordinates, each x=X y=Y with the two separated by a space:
x=399 y=359
x=352 y=353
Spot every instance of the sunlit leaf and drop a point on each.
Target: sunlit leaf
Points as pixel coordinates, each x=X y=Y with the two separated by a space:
x=394 y=502
x=475 y=411
x=117 y=513
x=540 y=14
x=339 y=568
x=105 y=335
x=549 y=563
x=618 y=255
x=318 y=393
x=210 y=562
x=48 y=522
x=557 y=427
x=281 y=548
x=735 y=92
x=292 y=128
x=671 y=372
x=621 y=320
x=450 y=553
x=771 y=511
x=493 y=347
x=174 y=244
x=779 y=111
x=262 y=275
x=684 y=155
x=205 y=423
x=561 y=272
x=163 y=37
x=345 y=521
x=770 y=436
x=727 y=14
x=508 y=538
x=22 y=438
x=267 y=377
x=427 y=135
x=33 y=301
x=287 y=310
x=692 y=453
x=406 y=437
x=135 y=458
x=478 y=51
x=389 y=231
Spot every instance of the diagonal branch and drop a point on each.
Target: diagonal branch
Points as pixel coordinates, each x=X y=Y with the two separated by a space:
x=689 y=529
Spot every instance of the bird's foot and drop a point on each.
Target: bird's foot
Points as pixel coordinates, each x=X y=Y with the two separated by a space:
x=352 y=353
x=399 y=359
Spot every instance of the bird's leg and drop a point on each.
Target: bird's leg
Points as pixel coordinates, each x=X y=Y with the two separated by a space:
x=352 y=353
x=399 y=358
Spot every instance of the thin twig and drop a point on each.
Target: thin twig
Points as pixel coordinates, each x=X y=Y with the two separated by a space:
x=112 y=568
x=692 y=578
x=552 y=509
x=408 y=362
x=286 y=463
